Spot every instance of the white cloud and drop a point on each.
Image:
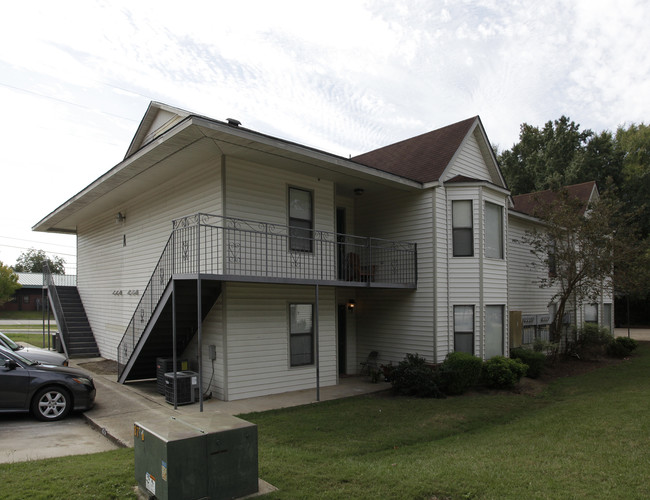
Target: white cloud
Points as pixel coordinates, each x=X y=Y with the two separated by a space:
x=345 y=76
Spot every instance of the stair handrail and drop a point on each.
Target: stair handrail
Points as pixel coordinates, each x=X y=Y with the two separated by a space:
x=146 y=306
x=59 y=317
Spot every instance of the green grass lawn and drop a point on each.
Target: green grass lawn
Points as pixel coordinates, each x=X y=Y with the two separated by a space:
x=34 y=315
x=583 y=437
x=31 y=338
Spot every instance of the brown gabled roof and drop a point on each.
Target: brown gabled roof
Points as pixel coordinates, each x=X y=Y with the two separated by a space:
x=422 y=158
x=531 y=203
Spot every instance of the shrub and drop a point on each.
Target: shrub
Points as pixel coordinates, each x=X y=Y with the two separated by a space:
x=500 y=372
x=413 y=377
x=593 y=340
x=621 y=347
x=534 y=360
x=459 y=372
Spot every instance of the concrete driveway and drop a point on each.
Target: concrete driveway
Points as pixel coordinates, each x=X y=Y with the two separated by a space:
x=23 y=438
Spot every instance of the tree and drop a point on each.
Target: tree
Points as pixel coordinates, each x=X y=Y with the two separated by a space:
x=8 y=283
x=633 y=144
x=581 y=247
x=546 y=158
x=32 y=262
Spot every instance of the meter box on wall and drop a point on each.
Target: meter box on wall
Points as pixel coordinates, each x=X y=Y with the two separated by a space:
x=196 y=457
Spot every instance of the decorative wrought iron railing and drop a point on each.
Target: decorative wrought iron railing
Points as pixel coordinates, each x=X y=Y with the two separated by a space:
x=50 y=284
x=245 y=250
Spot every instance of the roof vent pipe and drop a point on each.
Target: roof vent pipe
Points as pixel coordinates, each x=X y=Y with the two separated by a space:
x=233 y=123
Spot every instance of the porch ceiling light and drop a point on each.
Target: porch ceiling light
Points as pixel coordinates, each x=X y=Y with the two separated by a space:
x=120 y=218
x=358 y=191
x=351 y=305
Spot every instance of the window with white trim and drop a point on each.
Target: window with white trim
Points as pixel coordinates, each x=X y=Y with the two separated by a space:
x=591 y=313
x=301 y=334
x=494 y=331
x=464 y=329
x=301 y=220
x=462 y=228
x=493 y=231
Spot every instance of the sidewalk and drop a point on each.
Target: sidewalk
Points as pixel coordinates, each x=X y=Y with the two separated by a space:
x=119 y=406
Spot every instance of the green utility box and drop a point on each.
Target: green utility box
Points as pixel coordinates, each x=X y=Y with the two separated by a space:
x=190 y=457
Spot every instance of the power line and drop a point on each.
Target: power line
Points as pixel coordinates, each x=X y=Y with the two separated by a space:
x=39 y=242
x=68 y=102
x=46 y=251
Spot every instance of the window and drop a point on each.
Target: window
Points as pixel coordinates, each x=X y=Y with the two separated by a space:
x=552 y=261
x=493 y=231
x=300 y=220
x=464 y=329
x=301 y=334
x=493 y=331
x=607 y=316
x=591 y=313
x=463 y=232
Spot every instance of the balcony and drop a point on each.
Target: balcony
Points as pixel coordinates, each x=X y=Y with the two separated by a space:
x=243 y=250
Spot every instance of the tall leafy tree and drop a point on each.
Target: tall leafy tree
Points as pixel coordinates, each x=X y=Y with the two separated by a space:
x=32 y=262
x=8 y=283
x=633 y=144
x=582 y=246
x=546 y=158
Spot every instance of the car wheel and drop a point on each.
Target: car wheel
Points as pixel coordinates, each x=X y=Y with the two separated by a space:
x=51 y=403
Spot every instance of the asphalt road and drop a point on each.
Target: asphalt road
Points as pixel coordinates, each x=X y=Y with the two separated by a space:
x=23 y=438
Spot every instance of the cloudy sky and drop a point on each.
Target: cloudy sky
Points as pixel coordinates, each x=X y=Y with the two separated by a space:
x=345 y=76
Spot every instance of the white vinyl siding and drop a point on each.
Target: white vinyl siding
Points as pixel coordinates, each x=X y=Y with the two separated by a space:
x=397 y=322
x=525 y=272
x=257 y=338
x=259 y=192
x=469 y=161
x=115 y=260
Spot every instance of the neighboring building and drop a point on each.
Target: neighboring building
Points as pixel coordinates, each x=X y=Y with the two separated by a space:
x=29 y=297
x=305 y=262
x=524 y=274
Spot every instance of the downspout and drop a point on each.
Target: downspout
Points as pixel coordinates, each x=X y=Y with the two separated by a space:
x=481 y=273
x=199 y=322
x=316 y=350
x=434 y=222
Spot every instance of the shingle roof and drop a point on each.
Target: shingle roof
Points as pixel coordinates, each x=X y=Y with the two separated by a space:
x=530 y=203
x=422 y=158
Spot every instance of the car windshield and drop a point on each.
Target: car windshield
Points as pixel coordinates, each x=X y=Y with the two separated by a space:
x=22 y=359
x=8 y=342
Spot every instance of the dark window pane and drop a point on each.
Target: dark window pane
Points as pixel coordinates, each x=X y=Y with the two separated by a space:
x=464 y=342
x=463 y=242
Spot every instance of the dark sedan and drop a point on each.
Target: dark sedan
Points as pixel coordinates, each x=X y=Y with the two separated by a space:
x=49 y=392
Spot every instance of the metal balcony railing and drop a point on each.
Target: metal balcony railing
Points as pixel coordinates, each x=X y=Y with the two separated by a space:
x=245 y=250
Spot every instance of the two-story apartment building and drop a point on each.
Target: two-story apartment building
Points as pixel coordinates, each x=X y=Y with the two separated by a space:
x=274 y=266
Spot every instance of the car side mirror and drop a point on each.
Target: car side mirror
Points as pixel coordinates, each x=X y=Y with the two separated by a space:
x=11 y=364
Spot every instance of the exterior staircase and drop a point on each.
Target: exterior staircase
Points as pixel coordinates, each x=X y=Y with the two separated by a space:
x=76 y=337
x=157 y=339
x=77 y=334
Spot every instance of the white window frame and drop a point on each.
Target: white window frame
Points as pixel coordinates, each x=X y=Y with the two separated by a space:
x=493 y=239
x=301 y=228
x=464 y=332
x=296 y=332
x=461 y=228
x=488 y=337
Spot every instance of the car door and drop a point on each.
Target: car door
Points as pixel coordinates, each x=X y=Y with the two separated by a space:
x=14 y=386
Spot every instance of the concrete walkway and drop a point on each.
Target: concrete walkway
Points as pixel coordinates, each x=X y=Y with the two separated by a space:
x=119 y=406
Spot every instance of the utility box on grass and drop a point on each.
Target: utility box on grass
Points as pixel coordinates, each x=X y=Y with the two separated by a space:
x=191 y=457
